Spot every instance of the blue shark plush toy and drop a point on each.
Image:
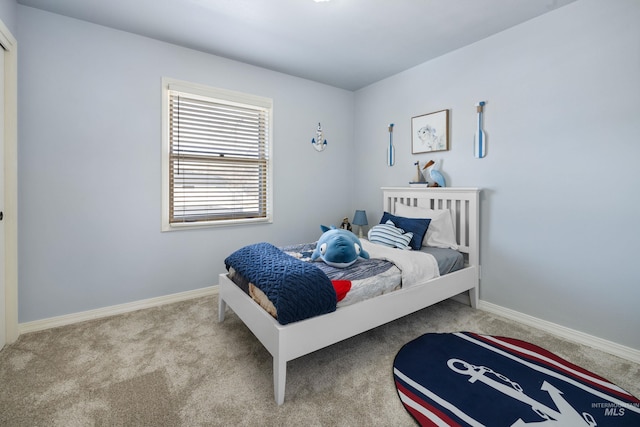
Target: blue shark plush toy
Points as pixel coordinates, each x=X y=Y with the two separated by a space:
x=338 y=248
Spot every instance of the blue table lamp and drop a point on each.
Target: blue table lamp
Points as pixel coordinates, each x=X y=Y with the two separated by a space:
x=360 y=219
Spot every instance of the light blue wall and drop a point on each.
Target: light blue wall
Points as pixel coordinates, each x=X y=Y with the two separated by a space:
x=90 y=166
x=561 y=201
x=8 y=14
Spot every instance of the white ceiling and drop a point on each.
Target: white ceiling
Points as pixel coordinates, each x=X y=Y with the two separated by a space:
x=344 y=43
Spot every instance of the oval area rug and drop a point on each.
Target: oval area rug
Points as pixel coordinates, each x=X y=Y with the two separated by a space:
x=469 y=379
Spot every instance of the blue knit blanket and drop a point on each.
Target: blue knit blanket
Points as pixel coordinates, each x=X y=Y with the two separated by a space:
x=297 y=289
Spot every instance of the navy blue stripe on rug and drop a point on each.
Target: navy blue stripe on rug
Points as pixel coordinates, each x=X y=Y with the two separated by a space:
x=469 y=379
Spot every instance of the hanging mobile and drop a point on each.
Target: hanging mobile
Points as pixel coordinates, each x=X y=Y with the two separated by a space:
x=391 y=151
x=480 y=138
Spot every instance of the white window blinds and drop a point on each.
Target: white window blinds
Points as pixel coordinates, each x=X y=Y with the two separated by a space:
x=218 y=159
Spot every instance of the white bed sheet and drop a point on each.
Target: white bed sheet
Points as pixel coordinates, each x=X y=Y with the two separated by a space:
x=415 y=266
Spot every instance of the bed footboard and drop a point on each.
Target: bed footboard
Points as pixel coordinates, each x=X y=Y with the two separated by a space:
x=222 y=308
x=288 y=342
x=261 y=324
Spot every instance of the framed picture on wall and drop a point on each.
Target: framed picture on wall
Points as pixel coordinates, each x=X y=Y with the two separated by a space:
x=430 y=132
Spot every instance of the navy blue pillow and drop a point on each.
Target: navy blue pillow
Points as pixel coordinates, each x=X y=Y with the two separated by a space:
x=418 y=226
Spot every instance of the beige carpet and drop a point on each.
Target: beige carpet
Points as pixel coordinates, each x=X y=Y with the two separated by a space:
x=176 y=366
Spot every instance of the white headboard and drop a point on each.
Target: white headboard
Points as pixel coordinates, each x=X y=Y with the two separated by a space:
x=462 y=202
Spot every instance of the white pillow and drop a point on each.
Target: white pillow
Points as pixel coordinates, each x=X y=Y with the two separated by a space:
x=440 y=233
x=389 y=235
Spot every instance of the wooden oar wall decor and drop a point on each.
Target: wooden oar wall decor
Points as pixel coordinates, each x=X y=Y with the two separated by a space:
x=480 y=143
x=391 y=151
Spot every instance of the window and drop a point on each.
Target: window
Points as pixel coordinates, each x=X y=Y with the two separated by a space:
x=216 y=156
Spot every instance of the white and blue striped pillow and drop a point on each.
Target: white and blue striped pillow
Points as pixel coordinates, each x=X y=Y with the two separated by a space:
x=388 y=234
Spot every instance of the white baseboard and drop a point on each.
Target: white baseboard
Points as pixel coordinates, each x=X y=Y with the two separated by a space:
x=610 y=347
x=54 y=322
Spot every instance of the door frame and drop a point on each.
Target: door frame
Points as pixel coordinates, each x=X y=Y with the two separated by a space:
x=10 y=180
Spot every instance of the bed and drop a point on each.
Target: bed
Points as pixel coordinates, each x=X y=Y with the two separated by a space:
x=293 y=340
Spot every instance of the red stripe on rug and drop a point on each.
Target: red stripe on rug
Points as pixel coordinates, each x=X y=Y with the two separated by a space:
x=422 y=419
x=562 y=365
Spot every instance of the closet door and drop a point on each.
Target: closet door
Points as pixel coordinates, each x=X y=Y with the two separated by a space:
x=3 y=302
x=8 y=186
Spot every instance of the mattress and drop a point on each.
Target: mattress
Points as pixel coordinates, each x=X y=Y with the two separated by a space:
x=366 y=278
x=448 y=260
x=372 y=277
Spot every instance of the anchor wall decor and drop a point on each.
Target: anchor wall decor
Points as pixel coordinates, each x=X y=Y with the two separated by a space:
x=319 y=143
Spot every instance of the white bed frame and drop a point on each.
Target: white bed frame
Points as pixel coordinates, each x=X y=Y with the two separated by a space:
x=288 y=342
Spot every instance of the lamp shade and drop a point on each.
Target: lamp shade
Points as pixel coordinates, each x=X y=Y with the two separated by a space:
x=360 y=218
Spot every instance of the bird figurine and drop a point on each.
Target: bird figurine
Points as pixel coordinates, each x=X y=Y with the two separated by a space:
x=437 y=179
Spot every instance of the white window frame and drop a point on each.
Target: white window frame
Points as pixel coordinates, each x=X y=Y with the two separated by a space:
x=221 y=95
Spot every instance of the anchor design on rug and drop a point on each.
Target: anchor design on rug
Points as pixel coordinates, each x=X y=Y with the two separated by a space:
x=565 y=415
